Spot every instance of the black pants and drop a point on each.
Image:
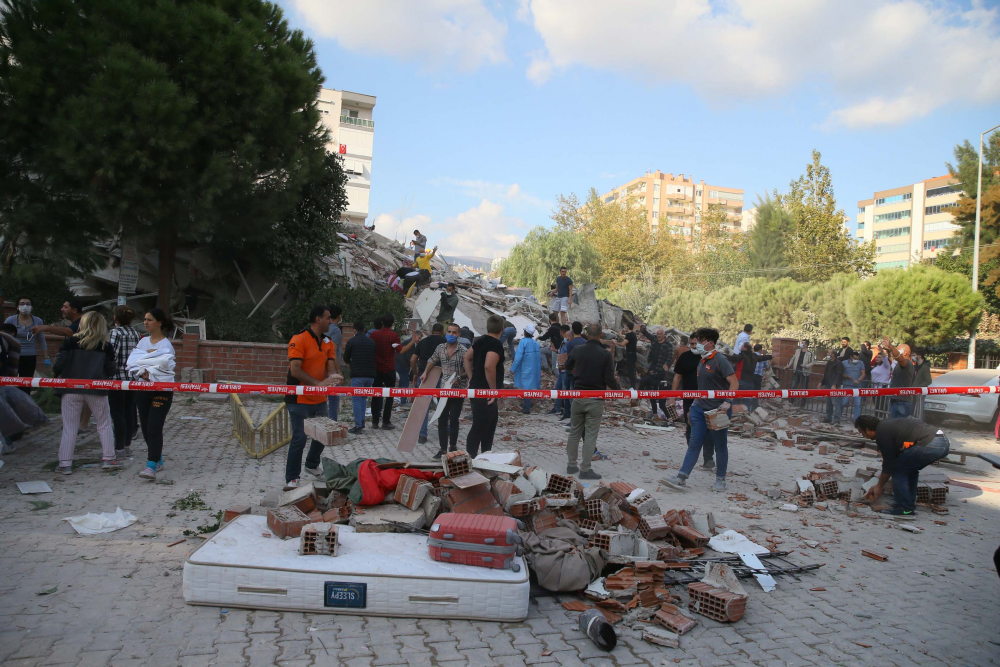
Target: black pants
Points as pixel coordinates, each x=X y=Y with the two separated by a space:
x=379 y=404
x=652 y=381
x=26 y=369
x=448 y=423
x=630 y=373
x=153 y=408
x=484 y=426
x=122 y=404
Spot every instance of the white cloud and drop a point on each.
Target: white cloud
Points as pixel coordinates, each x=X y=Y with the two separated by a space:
x=482 y=231
x=868 y=58
x=499 y=191
x=437 y=33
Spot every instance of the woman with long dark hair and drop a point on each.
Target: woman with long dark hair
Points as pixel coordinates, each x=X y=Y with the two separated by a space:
x=152 y=360
x=123 y=340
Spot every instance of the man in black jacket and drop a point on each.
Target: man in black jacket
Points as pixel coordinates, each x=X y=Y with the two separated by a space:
x=833 y=378
x=554 y=335
x=359 y=354
x=660 y=359
x=750 y=360
x=593 y=368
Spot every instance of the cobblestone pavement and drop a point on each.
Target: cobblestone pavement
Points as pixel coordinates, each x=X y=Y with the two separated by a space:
x=116 y=599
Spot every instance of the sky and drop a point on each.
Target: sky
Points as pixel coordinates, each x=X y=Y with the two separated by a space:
x=487 y=110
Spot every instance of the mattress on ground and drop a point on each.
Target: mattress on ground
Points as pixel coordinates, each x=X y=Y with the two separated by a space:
x=378 y=574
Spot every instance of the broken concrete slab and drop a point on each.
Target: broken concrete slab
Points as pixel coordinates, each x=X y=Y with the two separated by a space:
x=377 y=519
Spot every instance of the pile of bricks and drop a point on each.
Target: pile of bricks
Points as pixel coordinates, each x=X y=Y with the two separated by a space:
x=326 y=431
x=319 y=539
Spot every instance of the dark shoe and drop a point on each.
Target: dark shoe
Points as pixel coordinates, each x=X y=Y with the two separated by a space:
x=564 y=417
x=590 y=474
x=552 y=412
x=709 y=464
x=438 y=455
x=375 y=425
x=422 y=439
x=354 y=430
x=572 y=470
x=387 y=427
x=825 y=420
x=896 y=513
x=525 y=412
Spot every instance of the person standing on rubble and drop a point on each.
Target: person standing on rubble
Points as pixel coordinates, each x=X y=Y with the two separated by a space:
x=686 y=379
x=554 y=336
x=801 y=365
x=907 y=446
x=564 y=294
x=386 y=343
x=336 y=337
x=450 y=355
x=312 y=361
x=484 y=366
x=659 y=361
x=423 y=260
x=714 y=373
x=593 y=369
x=359 y=354
x=419 y=243
x=507 y=337
x=426 y=349
x=449 y=302
x=527 y=366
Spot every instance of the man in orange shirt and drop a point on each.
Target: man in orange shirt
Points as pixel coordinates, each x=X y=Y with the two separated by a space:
x=312 y=361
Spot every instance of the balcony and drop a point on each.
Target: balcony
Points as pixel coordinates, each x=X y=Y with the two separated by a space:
x=360 y=122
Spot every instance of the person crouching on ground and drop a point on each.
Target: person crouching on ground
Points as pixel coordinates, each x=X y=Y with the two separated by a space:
x=593 y=369
x=907 y=446
x=86 y=355
x=714 y=373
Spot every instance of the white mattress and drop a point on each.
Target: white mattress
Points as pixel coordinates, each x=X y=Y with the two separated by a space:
x=238 y=567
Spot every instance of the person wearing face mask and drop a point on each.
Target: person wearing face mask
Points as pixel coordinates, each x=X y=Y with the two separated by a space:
x=714 y=373
x=902 y=376
x=31 y=343
x=686 y=378
x=659 y=360
x=450 y=356
x=801 y=365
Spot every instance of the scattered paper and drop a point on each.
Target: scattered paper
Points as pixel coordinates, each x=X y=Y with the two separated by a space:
x=34 y=487
x=731 y=542
x=92 y=524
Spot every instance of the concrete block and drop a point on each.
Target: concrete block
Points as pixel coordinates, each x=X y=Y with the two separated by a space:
x=371 y=521
x=286 y=522
x=303 y=498
x=411 y=491
x=319 y=539
x=457 y=464
x=326 y=431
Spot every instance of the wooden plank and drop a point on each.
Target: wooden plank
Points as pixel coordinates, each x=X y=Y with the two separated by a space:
x=411 y=429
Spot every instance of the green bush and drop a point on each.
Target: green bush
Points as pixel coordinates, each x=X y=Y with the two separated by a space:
x=228 y=321
x=363 y=304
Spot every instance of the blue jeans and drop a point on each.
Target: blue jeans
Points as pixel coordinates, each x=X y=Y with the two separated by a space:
x=298 y=413
x=557 y=407
x=568 y=402
x=526 y=407
x=507 y=338
x=699 y=433
x=834 y=408
x=403 y=383
x=333 y=407
x=359 y=402
x=900 y=409
x=853 y=401
x=747 y=385
x=906 y=472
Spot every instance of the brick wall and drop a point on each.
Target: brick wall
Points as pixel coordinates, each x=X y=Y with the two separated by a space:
x=783 y=349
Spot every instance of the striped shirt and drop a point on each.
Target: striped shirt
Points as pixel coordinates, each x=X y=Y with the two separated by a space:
x=123 y=340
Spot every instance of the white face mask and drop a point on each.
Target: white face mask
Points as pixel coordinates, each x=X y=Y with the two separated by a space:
x=24 y=310
x=802 y=345
x=699 y=348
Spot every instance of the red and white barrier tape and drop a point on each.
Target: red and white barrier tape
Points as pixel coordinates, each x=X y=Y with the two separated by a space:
x=385 y=392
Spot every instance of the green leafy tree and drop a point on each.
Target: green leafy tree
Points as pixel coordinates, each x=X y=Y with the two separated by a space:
x=567 y=214
x=923 y=305
x=961 y=264
x=639 y=295
x=822 y=244
x=770 y=241
x=966 y=166
x=828 y=300
x=358 y=304
x=534 y=262
x=176 y=121
x=718 y=253
x=683 y=309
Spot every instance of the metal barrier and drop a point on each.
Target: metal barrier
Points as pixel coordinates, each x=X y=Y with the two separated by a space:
x=259 y=441
x=877 y=406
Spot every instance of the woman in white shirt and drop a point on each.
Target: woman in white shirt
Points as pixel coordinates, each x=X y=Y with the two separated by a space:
x=152 y=360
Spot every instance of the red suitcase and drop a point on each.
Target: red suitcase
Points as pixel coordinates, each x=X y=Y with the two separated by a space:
x=476 y=539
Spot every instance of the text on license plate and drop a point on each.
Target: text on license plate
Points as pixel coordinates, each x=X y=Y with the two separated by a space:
x=935 y=406
x=344 y=594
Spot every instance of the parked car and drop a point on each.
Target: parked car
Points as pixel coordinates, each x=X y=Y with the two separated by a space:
x=981 y=408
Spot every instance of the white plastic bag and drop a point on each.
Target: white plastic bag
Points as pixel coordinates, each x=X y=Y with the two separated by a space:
x=92 y=524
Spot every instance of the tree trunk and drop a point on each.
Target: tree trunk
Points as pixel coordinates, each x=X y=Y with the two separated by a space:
x=168 y=252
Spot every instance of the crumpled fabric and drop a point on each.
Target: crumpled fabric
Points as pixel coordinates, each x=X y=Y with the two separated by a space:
x=92 y=524
x=23 y=406
x=560 y=559
x=364 y=482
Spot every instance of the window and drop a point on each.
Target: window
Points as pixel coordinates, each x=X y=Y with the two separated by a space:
x=935 y=244
x=945 y=190
x=353 y=113
x=656 y=214
x=861 y=226
x=941 y=227
x=697 y=207
x=861 y=210
x=609 y=199
x=642 y=186
x=895 y=199
x=721 y=194
x=699 y=193
x=656 y=203
x=939 y=208
x=900 y=264
x=896 y=247
x=656 y=187
x=896 y=215
x=891 y=233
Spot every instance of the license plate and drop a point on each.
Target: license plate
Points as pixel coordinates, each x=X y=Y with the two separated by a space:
x=935 y=406
x=342 y=594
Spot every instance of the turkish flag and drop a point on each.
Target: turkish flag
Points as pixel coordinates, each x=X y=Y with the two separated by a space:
x=343 y=149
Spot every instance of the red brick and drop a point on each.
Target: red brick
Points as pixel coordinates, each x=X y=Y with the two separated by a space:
x=689 y=537
x=286 y=522
x=234 y=512
x=474 y=500
x=457 y=464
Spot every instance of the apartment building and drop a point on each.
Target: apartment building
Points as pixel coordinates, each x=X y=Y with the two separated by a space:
x=675 y=203
x=909 y=223
x=348 y=117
